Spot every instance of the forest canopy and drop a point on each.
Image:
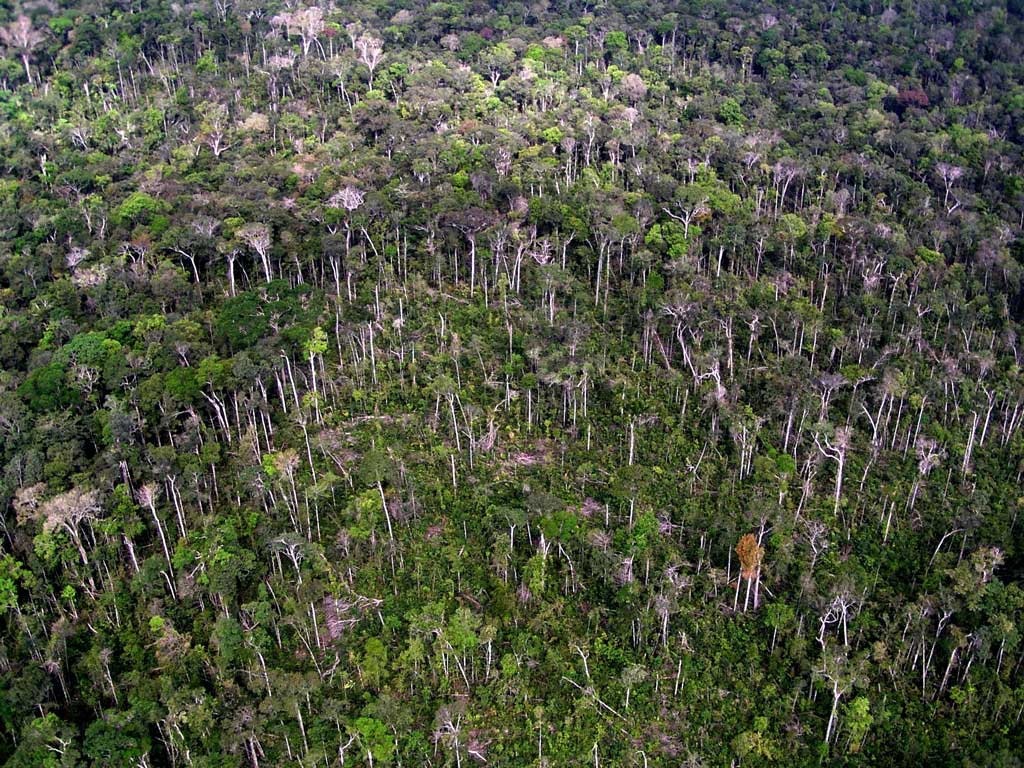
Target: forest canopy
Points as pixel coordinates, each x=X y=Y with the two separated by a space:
x=618 y=383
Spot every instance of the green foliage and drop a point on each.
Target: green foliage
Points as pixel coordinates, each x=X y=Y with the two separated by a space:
x=730 y=113
x=858 y=721
x=118 y=739
x=12 y=574
x=792 y=226
x=139 y=207
x=616 y=40
x=206 y=63
x=317 y=342
x=375 y=662
x=46 y=742
x=449 y=464
x=375 y=739
x=668 y=238
x=46 y=388
x=644 y=529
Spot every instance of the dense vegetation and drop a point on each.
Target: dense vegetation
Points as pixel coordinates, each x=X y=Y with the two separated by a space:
x=416 y=383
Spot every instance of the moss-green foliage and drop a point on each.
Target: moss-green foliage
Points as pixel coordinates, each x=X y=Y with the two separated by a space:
x=574 y=300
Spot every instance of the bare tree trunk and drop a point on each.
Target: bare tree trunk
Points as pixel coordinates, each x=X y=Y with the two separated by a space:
x=387 y=515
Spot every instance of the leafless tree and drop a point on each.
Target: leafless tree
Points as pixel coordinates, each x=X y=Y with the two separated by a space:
x=949 y=174
x=70 y=511
x=214 y=127
x=294 y=549
x=371 y=53
x=836 y=449
x=634 y=87
x=22 y=37
x=257 y=236
x=841 y=607
x=76 y=256
x=147 y=496
x=348 y=197
x=839 y=674
x=307 y=23
x=448 y=731
x=829 y=384
x=816 y=536
x=783 y=174
x=929 y=455
x=686 y=209
x=206 y=226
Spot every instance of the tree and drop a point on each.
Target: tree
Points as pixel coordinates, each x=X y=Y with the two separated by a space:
x=949 y=174
x=22 y=37
x=838 y=673
x=632 y=676
x=70 y=511
x=634 y=87
x=307 y=23
x=258 y=237
x=499 y=60
x=835 y=449
x=371 y=53
x=147 y=496
x=348 y=197
x=471 y=223
x=858 y=722
x=374 y=663
x=46 y=742
x=376 y=741
x=214 y=127
x=730 y=113
x=689 y=204
x=751 y=554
